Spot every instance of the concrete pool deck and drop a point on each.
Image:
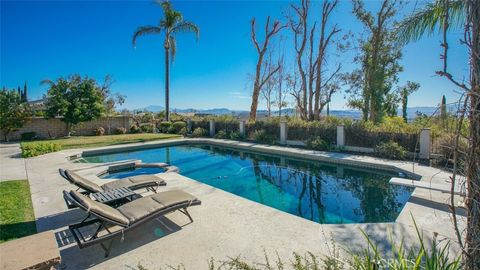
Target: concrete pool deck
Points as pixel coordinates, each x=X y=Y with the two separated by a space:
x=227 y=225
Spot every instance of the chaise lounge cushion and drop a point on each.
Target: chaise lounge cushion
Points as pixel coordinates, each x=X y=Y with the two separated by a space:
x=82 y=182
x=100 y=208
x=143 y=207
x=134 y=181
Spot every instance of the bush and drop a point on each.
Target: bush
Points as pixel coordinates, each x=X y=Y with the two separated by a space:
x=146 y=128
x=391 y=150
x=165 y=126
x=199 y=132
x=120 y=130
x=222 y=134
x=316 y=143
x=100 y=131
x=182 y=131
x=237 y=136
x=134 y=129
x=262 y=136
x=176 y=127
x=28 y=136
x=40 y=148
x=444 y=146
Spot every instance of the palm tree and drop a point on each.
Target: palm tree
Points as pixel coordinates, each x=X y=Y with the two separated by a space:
x=430 y=19
x=171 y=24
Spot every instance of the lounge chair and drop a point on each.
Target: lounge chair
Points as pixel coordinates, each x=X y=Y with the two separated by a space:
x=117 y=221
x=149 y=182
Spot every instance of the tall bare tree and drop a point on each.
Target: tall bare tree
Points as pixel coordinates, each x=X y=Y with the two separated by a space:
x=299 y=26
x=267 y=90
x=262 y=77
x=323 y=89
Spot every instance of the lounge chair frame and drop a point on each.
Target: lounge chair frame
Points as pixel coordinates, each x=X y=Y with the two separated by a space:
x=148 y=187
x=103 y=222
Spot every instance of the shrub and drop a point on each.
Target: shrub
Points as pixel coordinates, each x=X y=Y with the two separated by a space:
x=444 y=146
x=199 y=132
x=182 y=131
x=391 y=149
x=134 y=129
x=262 y=136
x=28 y=136
x=146 y=128
x=176 y=127
x=120 y=130
x=40 y=148
x=237 y=136
x=317 y=143
x=100 y=131
x=165 y=126
x=222 y=134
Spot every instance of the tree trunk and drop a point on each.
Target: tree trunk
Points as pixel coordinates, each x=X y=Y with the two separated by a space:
x=256 y=89
x=473 y=160
x=167 y=84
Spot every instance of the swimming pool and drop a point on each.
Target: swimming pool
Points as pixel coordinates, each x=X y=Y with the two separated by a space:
x=321 y=192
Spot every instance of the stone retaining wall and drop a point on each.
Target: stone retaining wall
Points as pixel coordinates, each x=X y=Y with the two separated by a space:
x=55 y=127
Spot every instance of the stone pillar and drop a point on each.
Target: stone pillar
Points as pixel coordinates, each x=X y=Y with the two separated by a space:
x=189 y=125
x=212 y=128
x=241 y=128
x=425 y=144
x=283 y=132
x=341 y=135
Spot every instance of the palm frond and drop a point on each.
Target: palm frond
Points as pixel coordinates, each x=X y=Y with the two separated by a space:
x=144 y=30
x=430 y=19
x=185 y=27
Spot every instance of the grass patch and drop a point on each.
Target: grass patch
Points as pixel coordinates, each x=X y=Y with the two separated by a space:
x=16 y=210
x=89 y=141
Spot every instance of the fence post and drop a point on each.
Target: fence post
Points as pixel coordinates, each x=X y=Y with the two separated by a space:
x=425 y=143
x=341 y=135
x=283 y=132
x=212 y=128
x=189 y=125
x=241 y=128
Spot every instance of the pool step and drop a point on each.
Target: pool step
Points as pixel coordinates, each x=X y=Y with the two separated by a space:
x=445 y=188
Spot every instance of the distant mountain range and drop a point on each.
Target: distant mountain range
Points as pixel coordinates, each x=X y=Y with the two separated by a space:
x=353 y=114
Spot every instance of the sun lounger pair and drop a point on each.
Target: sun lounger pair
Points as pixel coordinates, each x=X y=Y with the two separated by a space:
x=111 y=222
x=149 y=182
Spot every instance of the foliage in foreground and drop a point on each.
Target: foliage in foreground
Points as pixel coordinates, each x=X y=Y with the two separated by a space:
x=16 y=211
x=370 y=258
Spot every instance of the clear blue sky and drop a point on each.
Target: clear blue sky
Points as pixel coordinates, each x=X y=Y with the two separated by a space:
x=42 y=39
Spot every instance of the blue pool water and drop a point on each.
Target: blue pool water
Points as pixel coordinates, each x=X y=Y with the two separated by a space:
x=321 y=192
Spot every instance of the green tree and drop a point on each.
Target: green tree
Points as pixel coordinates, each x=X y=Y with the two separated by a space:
x=76 y=99
x=170 y=25
x=404 y=92
x=443 y=109
x=13 y=112
x=379 y=60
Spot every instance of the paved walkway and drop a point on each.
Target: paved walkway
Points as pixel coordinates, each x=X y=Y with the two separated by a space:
x=12 y=165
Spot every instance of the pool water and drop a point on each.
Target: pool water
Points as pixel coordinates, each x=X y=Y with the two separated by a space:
x=321 y=192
